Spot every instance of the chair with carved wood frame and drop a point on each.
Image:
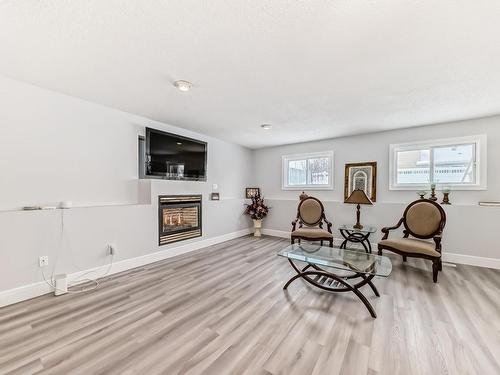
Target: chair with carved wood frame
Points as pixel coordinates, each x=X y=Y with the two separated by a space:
x=423 y=219
x=310 y=220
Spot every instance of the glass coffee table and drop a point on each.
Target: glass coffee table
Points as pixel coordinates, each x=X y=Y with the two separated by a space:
x=337 y=270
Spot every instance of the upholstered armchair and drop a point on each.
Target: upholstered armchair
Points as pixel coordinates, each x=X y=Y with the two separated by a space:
x=310 y=221
x=424 y=220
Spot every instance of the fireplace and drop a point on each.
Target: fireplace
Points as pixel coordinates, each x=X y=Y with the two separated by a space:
x=179 y=217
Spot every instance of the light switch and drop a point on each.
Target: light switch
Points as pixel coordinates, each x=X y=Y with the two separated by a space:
x=215 y=187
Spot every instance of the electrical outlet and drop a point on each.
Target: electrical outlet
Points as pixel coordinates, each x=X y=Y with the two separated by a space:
x=43 y=261
x=111 y=249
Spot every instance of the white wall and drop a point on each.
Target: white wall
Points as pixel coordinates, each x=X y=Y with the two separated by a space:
x=55 y=147
x=88 y=154
x=470 y=228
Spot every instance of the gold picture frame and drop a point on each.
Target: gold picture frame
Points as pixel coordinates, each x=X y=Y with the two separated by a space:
x=361 y=176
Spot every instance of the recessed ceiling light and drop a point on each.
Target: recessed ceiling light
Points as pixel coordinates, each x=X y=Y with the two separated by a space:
x=179 y=143
x=266 y=126
x=183 y=85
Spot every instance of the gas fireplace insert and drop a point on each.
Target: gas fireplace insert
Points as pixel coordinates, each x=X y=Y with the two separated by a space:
x=179 y=217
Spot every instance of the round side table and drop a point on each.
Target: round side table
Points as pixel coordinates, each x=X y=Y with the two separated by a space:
x=356 y=235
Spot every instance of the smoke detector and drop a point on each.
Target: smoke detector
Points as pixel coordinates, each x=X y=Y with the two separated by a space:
x=183 y=85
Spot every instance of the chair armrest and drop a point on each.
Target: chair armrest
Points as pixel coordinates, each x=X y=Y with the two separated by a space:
x=437 y=239
x=328 y=225
x=439 y=236
x=294 y=224
x=386 y=230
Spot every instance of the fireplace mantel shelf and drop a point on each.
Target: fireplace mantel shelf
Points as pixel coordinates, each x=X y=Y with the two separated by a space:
x=97 y=205
x=111 y=204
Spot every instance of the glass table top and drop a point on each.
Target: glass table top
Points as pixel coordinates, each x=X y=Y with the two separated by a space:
x=346 y=260
x=365 y=229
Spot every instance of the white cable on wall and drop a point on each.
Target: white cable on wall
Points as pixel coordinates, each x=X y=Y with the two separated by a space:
x=51 y=283
x=81 y=278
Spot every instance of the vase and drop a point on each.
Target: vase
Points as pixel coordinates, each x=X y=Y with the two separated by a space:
x=258 y=226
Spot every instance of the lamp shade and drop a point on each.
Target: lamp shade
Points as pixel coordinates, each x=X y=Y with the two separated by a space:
x=358 y=196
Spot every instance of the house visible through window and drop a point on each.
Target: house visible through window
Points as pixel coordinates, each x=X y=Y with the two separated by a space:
x=458 y=162
x=311 y=171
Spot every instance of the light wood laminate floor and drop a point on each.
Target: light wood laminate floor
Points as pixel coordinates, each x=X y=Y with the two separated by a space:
x=222 y=310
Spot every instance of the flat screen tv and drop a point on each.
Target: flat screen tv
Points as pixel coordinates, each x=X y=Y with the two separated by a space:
x=174 y=157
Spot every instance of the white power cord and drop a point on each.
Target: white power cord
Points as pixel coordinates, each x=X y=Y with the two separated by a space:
x=83 y=290
x=80 y=278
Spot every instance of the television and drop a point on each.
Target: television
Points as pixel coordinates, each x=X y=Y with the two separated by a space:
x=174 y=157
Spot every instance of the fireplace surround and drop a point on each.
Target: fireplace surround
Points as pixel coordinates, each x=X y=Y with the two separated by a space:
x=179 y=218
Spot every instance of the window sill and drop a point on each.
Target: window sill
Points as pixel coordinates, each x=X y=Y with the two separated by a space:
x=300 y=188
x=439 y=188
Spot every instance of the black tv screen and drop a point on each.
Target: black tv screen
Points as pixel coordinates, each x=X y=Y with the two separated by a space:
x=175 y=157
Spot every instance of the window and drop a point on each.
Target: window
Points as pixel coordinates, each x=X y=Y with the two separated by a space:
x=308 y=171
x=456 y=162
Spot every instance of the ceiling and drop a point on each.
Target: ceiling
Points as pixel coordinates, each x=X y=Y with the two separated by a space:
x=312 y=69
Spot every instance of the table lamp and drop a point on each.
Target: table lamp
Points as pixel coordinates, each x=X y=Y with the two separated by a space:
x=358 y=197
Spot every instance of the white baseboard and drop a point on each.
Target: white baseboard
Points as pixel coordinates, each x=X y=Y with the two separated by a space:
x=276 y=233
x=447 y=257
x=471 y=260
x=22 y=293
x=11 y=296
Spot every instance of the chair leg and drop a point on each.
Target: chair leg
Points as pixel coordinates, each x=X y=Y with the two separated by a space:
x=292 y=241
x=379 y=251
x=404 y=258
x=331 y=243
x=435 y=270
x=321 y=243
x=440 y=265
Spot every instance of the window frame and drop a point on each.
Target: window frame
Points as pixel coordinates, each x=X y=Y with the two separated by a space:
x=480 y=142
x=285 y=159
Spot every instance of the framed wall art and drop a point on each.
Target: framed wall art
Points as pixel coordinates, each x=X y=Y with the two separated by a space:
x=361 y=176
x=251 y=192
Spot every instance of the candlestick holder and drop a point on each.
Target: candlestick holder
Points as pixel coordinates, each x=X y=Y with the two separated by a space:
x=421 y=194
x=433 y=194
x=446 y=197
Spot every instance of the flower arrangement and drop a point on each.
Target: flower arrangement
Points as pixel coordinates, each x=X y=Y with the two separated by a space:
x=257 y=209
